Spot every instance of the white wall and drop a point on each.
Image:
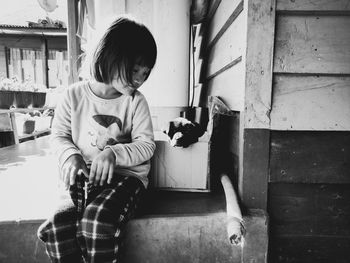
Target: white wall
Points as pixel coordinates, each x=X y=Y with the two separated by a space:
x=168 y=21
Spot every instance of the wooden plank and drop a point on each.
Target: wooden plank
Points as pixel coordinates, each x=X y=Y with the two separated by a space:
x=259 y=57
x=310 y=44
x=7 y=61
x=34 y=135
x=310 y=157
x=229 y=86
x=45 y=64
x=310 y=102
x=34 y=42
x=14 y=127
x=315 y=5
x=24 y=110
x=309 y=209
x=225 y=15
x=255 y=168
x=224 y=68
x=20 y=62
x=73 y=40
x=229 y=47
x=320 y=249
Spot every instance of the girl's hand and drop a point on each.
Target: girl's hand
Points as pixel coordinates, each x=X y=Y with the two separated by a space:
x=102 y=168
x=72 y=167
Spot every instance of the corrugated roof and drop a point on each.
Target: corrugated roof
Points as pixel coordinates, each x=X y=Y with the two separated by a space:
x=14 y=27
x=26 y=30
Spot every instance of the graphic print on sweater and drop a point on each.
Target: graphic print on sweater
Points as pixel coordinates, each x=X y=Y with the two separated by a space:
x=105 y=130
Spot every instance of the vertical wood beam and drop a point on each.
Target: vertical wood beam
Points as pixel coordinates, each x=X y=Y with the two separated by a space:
x=45 y=63
x=7 y=60
x=33 y=59
x=21 y=75
x=258 y=91
x=14 y=61
x=14 y=127
x=73 y=42
x=259 y=62
x=256 y=150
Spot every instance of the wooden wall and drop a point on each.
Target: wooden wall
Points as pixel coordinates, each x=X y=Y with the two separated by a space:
x=223 y=50
x=309 y=178
x=3 y=70
x=238 y=52
x=284 y=67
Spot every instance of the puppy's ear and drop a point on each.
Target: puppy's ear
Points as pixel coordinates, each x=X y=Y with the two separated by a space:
x=169 y=129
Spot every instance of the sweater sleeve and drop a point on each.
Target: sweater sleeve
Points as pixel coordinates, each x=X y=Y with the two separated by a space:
x=61 y=138
x=142 y=146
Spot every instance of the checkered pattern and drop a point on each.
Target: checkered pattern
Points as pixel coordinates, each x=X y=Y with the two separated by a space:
x=92 y=232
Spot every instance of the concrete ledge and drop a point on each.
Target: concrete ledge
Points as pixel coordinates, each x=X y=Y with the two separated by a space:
x=194 y=238
x=172 y=227
x=175 y=227
x=18 y=242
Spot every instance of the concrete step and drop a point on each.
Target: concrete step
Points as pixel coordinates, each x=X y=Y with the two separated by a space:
x=198 y=238
x=173 y=227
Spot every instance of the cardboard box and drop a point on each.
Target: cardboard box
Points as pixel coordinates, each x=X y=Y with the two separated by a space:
x=181 y=169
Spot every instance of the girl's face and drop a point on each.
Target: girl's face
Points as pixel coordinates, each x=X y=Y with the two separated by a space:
x=139 y=75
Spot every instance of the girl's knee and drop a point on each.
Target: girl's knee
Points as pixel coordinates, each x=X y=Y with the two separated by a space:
x=97 y=220
x=43 y=230
x=61 y=219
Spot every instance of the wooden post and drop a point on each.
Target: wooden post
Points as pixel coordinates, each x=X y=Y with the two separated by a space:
x=255 y=128
x=14 y=127
x=21 y=75
x=7 y=61
x=45 y=63
x=73 y=41
x=33 y=59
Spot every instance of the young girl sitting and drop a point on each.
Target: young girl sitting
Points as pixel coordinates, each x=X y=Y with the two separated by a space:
x=103 y=134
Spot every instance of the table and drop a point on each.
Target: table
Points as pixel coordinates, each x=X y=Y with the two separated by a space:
x=29 y=188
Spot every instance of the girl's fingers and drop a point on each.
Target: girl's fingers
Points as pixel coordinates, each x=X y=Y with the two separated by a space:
x=85 y=171
x=92 y=172
x=110 y=174
x=98 y=174
x=73 y=174
x=104 y=175
x=66 y=177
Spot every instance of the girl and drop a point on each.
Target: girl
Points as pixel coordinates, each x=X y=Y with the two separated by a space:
x=103 y=133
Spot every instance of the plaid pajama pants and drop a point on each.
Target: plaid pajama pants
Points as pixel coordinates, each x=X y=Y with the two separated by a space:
x=91 y=232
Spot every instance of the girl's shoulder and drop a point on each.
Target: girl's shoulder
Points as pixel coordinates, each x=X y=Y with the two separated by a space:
x=138 y=96
x=77 y=86
x=77 y=89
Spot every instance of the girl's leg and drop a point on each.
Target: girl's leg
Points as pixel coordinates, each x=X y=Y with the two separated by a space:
x=59 y=234
x=104 y=220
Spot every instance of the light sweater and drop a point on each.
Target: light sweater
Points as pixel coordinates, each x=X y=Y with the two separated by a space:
x=85 y=124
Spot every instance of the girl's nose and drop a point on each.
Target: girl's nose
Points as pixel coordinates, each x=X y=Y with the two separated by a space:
x=139 y=79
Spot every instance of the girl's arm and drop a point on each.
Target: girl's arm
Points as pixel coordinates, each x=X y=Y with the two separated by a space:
x=142 y=144
x=61 y=138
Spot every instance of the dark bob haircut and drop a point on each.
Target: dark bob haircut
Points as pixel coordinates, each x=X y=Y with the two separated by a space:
x=125 y=44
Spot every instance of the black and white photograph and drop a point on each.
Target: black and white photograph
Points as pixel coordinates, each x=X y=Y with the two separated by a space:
x=175 y=131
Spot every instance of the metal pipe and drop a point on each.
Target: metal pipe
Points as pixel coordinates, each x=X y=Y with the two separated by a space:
x=235 y=223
